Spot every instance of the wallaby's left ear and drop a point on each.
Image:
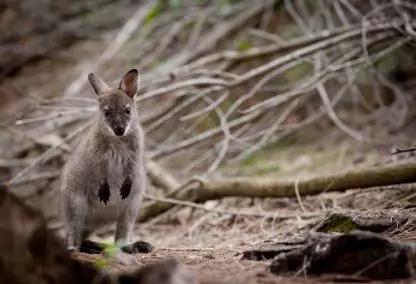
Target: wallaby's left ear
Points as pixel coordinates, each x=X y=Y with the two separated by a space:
x=130 y=82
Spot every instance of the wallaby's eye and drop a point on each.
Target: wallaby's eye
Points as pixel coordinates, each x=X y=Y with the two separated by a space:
x=127 y=110
x=106 y=112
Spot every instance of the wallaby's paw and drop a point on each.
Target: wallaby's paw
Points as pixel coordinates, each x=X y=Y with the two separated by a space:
x=104 y=193
x=126 y=188
x=138 y=247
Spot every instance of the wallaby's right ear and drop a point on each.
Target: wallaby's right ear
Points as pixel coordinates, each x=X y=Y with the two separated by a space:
x=98 y=84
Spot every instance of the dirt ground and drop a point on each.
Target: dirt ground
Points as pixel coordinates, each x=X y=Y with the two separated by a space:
x=218 y=266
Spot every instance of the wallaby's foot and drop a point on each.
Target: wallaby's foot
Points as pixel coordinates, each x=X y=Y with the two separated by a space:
x=138 y=247
x=91 y=247
x=104 y=193
x=126 y=188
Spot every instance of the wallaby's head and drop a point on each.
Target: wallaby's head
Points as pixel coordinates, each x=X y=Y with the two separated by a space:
x=116 y=106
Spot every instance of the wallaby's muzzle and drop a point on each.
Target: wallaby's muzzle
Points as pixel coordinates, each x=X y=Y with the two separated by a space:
x=119 y=131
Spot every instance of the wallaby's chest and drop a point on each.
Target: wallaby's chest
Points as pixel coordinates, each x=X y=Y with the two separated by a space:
x=119 y=160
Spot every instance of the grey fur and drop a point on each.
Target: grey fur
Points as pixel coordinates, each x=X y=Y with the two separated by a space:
x=103 y=157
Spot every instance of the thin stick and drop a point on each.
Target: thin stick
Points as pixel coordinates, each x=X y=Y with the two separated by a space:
x=399 y=151
x=220 y=211
x=298 y=196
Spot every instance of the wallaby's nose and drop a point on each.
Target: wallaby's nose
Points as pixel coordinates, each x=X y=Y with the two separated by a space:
x=119 y=131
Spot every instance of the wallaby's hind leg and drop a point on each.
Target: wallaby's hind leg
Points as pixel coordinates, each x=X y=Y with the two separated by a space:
x=76 y=212
x=126 y=222
x=127 y=218
x=124 y=227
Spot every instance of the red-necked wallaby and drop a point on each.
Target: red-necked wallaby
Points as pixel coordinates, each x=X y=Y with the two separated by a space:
x=105 y=178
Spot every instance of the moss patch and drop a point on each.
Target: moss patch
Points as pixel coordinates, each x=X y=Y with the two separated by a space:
x=337 y=223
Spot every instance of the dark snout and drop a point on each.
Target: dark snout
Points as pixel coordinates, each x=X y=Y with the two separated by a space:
x=119 y=131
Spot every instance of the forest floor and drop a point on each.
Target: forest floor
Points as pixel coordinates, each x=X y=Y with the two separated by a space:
x=221 y=266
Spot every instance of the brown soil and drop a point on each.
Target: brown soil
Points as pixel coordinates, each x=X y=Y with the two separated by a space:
x=219 y=266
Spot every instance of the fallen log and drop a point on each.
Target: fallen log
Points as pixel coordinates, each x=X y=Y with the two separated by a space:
x=201 y=191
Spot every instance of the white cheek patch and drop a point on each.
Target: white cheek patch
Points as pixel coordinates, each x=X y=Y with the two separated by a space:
x=128 y=127
x=110 y=130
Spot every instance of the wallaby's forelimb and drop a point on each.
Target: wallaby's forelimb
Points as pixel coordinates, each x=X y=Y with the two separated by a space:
x=128 y=181
x=104 y=193
x=126 y=188
x=104 y=190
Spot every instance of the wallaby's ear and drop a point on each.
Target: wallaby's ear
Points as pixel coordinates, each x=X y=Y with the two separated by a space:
x=97 y=83
x=130 y=82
